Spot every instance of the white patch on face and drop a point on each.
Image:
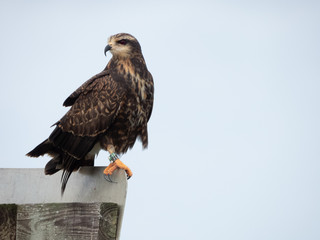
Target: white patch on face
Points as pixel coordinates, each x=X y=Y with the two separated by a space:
x=118 y=49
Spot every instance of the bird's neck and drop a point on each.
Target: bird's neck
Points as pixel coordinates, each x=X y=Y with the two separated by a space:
x=127 y=66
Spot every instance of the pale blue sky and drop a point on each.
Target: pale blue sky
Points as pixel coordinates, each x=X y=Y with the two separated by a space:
x=234 y=136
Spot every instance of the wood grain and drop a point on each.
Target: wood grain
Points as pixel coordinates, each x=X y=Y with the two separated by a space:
x=67 y=221
x=109 y=221
x=8 y=216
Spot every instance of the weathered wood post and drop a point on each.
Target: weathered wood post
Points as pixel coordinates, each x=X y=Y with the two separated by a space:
x=31 y=206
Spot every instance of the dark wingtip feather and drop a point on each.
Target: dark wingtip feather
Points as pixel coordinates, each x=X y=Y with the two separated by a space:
x=41 y=149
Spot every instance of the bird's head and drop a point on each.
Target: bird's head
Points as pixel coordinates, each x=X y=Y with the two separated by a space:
x=123 y=45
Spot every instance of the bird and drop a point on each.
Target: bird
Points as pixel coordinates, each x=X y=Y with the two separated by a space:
x=110 y=111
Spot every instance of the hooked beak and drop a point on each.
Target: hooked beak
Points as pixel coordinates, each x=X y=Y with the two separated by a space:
x=106 y=49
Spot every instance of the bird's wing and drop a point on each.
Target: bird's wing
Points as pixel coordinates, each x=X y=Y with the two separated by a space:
x=94 y=107
x=149 y=93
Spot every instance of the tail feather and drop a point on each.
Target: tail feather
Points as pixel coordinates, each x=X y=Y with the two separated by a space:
x=61 y=161
x=53 y=166
x=70 y=164
x=64 y=179
x=69 y=153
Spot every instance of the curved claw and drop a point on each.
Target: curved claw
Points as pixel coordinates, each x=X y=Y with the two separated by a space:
x=108 y=178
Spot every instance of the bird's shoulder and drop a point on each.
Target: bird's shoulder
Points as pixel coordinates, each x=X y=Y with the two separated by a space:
x=103 y=80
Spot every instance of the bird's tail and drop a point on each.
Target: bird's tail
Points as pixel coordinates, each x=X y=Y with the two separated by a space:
x=53 y=166
x=69 y=164
x=60 y=161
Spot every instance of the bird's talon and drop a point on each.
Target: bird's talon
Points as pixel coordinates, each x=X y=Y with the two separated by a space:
x=108 y=178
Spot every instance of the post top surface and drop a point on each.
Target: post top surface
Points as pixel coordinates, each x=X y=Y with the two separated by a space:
x=23 y=186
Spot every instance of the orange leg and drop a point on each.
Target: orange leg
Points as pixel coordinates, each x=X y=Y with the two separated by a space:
x=111 y=165
x=117 y=164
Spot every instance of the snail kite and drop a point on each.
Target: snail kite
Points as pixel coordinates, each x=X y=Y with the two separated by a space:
x=109 y=111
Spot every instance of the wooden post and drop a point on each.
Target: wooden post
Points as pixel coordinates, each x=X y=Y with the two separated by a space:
x=31 y=206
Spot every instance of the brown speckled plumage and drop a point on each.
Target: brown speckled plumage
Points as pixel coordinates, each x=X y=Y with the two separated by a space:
x=113 y=107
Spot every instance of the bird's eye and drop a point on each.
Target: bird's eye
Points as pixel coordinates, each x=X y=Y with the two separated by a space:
x=122 y=41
